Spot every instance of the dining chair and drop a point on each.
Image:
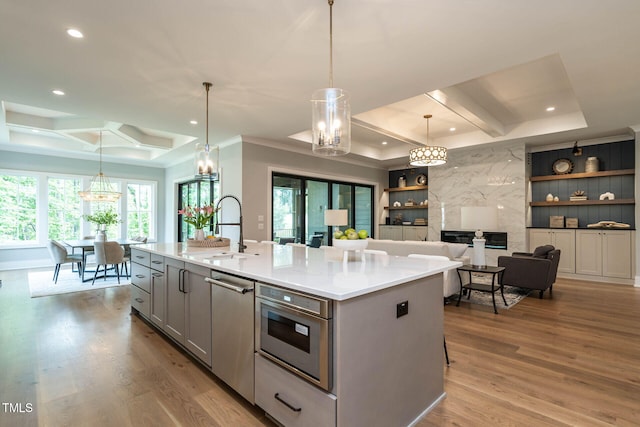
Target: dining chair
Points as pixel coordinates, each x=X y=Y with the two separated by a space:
x=108 y=253
x=296 y=244
x=60 y=256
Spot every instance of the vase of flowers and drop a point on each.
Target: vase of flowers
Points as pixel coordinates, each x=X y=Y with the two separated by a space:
x=199 y=217
x=103 y=218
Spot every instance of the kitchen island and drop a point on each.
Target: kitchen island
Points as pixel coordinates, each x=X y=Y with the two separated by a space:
x=385 y=327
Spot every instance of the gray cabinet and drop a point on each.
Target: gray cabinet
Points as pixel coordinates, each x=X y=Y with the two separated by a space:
x=140 y=282
x=188 y=307
x=157 y=284
x=390 y=232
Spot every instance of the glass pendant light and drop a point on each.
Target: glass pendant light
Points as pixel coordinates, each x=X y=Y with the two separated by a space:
x=428 y=155
x=331 y=112
x=206 y=157
x=100 y=189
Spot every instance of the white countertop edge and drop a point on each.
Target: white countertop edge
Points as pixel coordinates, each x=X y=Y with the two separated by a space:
x=194 y=256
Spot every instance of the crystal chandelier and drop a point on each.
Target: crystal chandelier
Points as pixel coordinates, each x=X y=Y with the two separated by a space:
x=428 y=155
x=330 y=112
x=207 y=158
x=100 y=189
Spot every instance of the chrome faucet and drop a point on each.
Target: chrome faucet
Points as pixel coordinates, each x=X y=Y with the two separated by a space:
x=241 y=245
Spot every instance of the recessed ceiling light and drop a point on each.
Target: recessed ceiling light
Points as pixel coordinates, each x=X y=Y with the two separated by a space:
x=35 y=131
x=452 y=129
x=551 y=108
x=384 y=142
x=194 y=122
x=58 y=92
x=76 y=34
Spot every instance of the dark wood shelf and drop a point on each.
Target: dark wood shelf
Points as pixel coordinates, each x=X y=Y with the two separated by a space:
x=409 y=188
x=585 y=202
x=405 y=207
x=582 y=175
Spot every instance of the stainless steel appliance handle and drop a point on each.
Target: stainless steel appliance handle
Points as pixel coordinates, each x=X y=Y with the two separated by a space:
x=287 y=404
x=239 y=289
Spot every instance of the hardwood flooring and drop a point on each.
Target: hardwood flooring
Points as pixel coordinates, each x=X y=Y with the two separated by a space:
x=82 y=359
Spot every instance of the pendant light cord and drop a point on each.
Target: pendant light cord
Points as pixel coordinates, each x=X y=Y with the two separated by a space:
x=207 y=85
x=427 y=116
x=330 y=43
x=100 y=151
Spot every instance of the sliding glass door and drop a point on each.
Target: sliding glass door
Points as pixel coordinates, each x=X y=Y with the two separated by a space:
x=298 y=205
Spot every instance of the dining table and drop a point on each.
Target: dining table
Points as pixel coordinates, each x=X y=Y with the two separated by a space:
x=87 y=247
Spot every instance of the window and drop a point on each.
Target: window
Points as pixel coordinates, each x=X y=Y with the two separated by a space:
x=64 y=208
x=36 y=206
x=18 y=216
x=139 y=210
x=298 y=205
x=195 y=193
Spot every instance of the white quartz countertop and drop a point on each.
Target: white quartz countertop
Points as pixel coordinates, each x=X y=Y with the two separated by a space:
x=318 y=271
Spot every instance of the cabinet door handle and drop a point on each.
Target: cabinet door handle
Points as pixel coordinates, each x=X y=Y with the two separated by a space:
x=287 y=404
x=157 y=274
x=140 y=300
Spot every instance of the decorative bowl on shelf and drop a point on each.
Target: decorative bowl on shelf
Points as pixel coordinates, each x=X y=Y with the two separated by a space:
x=351 y=245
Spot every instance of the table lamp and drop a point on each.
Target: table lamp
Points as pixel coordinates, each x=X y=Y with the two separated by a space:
x=336 y=218
x=479 y=218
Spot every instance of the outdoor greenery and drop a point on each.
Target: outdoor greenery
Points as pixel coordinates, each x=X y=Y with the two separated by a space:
x=18 y=216
x=104 y=217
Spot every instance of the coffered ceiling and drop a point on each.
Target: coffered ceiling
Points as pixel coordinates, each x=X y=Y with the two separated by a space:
x=486 y=70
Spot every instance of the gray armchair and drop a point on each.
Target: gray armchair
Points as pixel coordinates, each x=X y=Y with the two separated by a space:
x=108 y=253
x=60 y=256
x=535 y=270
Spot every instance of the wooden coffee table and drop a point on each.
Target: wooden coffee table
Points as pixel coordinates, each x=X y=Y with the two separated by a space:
x=496 y=282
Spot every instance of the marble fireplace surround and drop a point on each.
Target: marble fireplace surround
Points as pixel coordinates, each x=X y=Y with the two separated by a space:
x=488 y=175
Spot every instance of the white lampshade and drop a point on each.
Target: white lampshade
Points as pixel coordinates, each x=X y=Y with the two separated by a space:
x=336 y=217
x=483 y=218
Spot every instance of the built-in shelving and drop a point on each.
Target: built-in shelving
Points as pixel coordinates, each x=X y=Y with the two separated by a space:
x=406 y=207
x=409 y=188
x=585 y=202
x=600 y=174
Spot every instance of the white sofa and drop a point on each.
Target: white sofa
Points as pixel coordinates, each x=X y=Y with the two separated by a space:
x=453 y=251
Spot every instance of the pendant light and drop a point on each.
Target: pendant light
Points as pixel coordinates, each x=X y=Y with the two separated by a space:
x=428 y=155
x=331 y=112
x=207 y=158
x=100 y=189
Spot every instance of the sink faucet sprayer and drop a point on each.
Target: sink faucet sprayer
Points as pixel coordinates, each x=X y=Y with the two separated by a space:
x=241 y=246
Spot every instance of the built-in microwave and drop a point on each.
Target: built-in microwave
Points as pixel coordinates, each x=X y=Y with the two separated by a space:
x=294 y=330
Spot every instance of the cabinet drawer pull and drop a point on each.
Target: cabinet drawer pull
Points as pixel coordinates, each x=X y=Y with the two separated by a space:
x=140 y=256
x=140 y=300
x=156 y=262
x=140 y=276
x=157 y=274
x=287 y=404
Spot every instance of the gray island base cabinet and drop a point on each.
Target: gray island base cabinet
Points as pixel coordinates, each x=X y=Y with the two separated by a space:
x=188 y=314
x=386 y=369
x=387 y=365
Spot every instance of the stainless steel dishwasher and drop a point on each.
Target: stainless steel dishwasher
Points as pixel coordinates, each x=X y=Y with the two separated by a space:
x=232 y=332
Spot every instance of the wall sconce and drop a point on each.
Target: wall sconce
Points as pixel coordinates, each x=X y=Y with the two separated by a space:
x=577 y=151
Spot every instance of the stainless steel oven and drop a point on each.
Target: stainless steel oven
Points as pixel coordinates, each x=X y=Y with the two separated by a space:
x=294 y=330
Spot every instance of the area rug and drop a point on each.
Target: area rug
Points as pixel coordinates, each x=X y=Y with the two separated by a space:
x=512 y=294
x=41 y=283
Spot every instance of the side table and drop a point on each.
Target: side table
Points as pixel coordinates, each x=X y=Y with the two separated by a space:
x=496 y=273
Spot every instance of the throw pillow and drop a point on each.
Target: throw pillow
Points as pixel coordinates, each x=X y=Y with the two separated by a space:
x=542 y=251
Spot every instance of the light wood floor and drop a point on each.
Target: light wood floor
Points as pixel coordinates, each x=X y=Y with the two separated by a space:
x=82 y=359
